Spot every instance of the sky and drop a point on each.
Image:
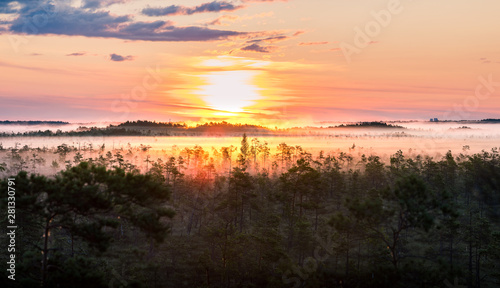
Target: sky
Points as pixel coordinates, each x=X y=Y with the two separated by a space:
x=267 y=62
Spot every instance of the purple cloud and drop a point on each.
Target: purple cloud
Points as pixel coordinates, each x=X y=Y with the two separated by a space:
x=94 y=4
x=81 y=22
x=77 y=54
x=215 y=6
x=257 y=48
x=120 y=58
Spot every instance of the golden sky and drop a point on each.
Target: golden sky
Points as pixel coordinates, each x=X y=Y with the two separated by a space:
x=294 y=62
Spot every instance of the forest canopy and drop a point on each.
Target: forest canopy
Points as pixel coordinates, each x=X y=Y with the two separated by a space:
x=243 y=217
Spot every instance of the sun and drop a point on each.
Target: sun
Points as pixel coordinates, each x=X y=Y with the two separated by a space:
x=229 y=91
x=231 y=88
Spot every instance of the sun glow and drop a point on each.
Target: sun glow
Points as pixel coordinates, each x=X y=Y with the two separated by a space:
x=229 y=92
x=239 y=89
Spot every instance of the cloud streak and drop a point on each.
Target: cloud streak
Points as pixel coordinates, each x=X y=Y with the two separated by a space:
x=272 y=39
x=312 y=43
x=219 y=20
x=258 y=48
x=94 y=4
x=268 y=1
x=39 y=69
x=234 y=18
x=120 y=58
x=77 y=54
x=215 y=6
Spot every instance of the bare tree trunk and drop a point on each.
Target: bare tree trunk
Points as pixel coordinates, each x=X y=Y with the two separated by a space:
x=45 y=252
x=469 y=284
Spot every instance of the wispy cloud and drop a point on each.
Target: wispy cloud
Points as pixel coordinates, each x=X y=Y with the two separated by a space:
x=40 y=69
x=260 y=49
x=225 y=19
x=215 y=6
x=264 y=1
x=93 y=4
x=485 y=60
x=312 y=43
x=271 y=39
x=255 y=42
x=120 y=58
x=300 y=32
x=77 y=54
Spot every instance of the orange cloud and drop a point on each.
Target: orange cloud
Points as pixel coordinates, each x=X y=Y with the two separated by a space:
x=225 y=19
x=312 y=43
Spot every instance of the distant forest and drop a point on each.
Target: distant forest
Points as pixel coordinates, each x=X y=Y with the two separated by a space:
x=7 y=122
x=153 y=128
x=368 y=124
x=145 y=123
x=148 y=128
x=94 y=131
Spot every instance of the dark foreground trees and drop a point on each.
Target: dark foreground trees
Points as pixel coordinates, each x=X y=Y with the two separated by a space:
x=67 y=220
x=325 y=221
